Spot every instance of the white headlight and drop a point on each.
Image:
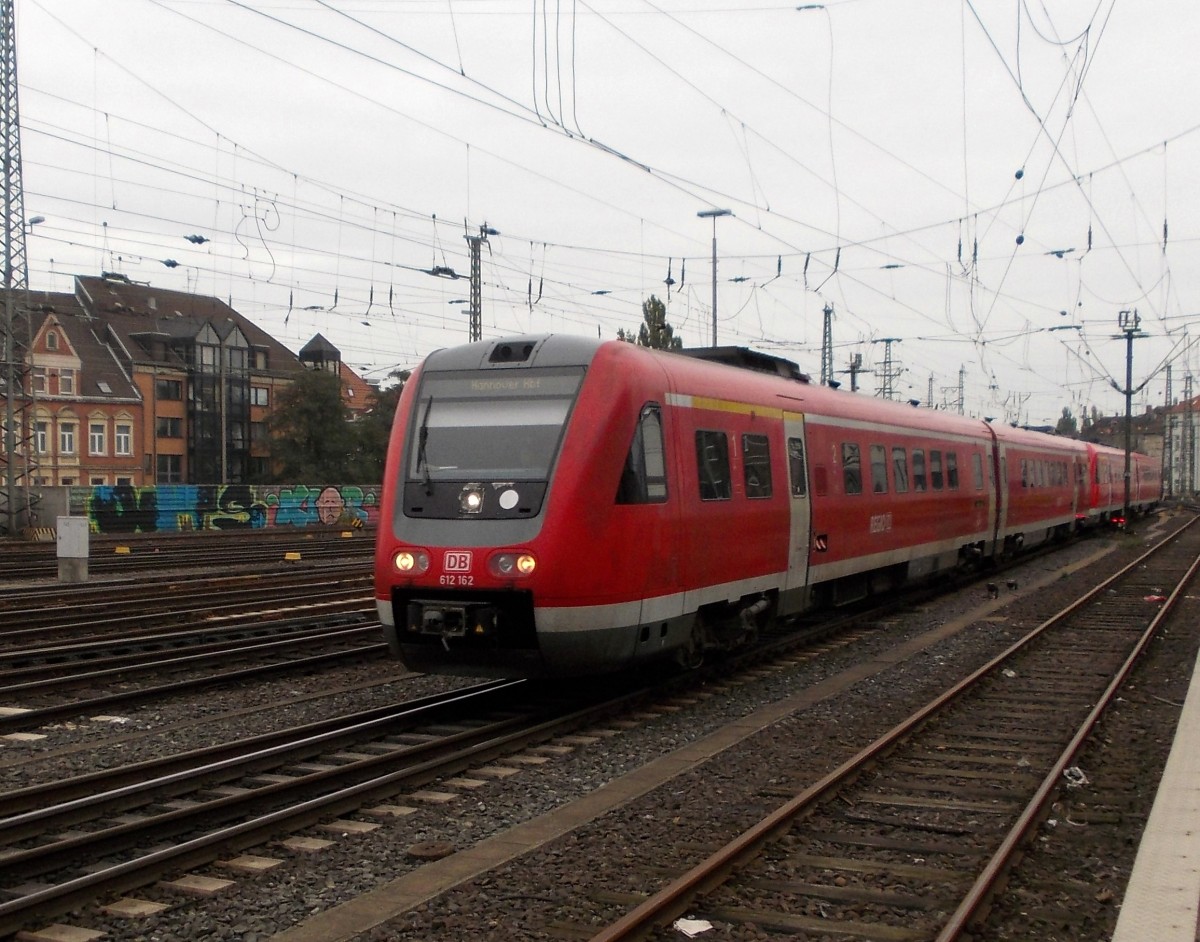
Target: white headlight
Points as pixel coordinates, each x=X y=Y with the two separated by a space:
x=470 y=499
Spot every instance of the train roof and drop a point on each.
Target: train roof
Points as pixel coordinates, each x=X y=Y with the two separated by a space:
x=736 y=373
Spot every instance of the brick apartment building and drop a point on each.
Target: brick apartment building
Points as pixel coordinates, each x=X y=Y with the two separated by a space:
x=129 y=384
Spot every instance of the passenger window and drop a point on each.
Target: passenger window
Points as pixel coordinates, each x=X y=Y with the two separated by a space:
x=918 y=477
x=712 y=462
x=935 y=469
x=900 y=469
x=796 y=467
x=977 y=470
x=851 y=468
x=952 y=470
x=756 y=465
x=1024 y=473
x=644 y=477
x=878 y=469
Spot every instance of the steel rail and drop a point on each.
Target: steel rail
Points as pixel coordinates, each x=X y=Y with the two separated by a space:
x=42 y=715
x=91 y=784
x=73 y=608
x=241 y=762
x=672 y=900
x=134 y=649
x=985 y=884
x=48 y=901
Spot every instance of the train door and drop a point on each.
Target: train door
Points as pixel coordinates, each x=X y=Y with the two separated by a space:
x=998 y=506
x=799 y=537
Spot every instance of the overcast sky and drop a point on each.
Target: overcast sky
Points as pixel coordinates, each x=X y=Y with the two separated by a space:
x=986 y=183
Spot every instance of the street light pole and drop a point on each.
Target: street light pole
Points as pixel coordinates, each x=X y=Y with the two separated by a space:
x=713 y=214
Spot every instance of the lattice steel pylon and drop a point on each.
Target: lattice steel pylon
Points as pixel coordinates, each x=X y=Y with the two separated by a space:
x=15 y=326
x=827 y=345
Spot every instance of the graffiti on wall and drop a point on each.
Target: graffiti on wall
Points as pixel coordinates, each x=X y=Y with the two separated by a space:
x=164 y=508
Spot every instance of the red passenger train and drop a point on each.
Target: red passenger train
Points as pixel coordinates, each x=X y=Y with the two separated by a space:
x=559 y=506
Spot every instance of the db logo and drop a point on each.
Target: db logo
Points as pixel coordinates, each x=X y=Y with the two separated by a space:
x=457 y=562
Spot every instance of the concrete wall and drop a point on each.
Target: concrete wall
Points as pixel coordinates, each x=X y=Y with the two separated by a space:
x=166 y=508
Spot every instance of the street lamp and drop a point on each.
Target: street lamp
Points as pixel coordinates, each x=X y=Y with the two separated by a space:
x=713 y=214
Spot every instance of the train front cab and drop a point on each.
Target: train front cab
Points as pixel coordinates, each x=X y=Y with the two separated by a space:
x=470 y=466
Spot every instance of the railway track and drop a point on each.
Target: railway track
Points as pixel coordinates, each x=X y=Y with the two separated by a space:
x=111 y=831
x=108 y=612
x=251 y=837
x=257 y=551
x=174 y=648
x=908 y=840
x=334 y=644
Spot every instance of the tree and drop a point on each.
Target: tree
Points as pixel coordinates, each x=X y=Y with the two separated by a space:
x=373 y=430
x=655 y=332
x=1067 y=425
x=312 y=439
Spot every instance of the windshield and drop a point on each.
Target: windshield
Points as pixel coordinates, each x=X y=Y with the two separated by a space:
x=490 y=427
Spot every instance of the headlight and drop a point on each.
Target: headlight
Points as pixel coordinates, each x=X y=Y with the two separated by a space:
x=470 y=499
x=411 y=562
x=509 y=565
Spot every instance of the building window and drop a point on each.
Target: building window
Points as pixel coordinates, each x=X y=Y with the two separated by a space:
x=96 y=439
x=97 y=481
x=168 y=427
x=41 y=435
x=39 y=380
x=66 y=438
x=66 y=383
x=124 y=439
x=170 y=469
x=258 y=433
x=260 y=396
x=170 y=389
x=51 y=340
x=124 y=482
